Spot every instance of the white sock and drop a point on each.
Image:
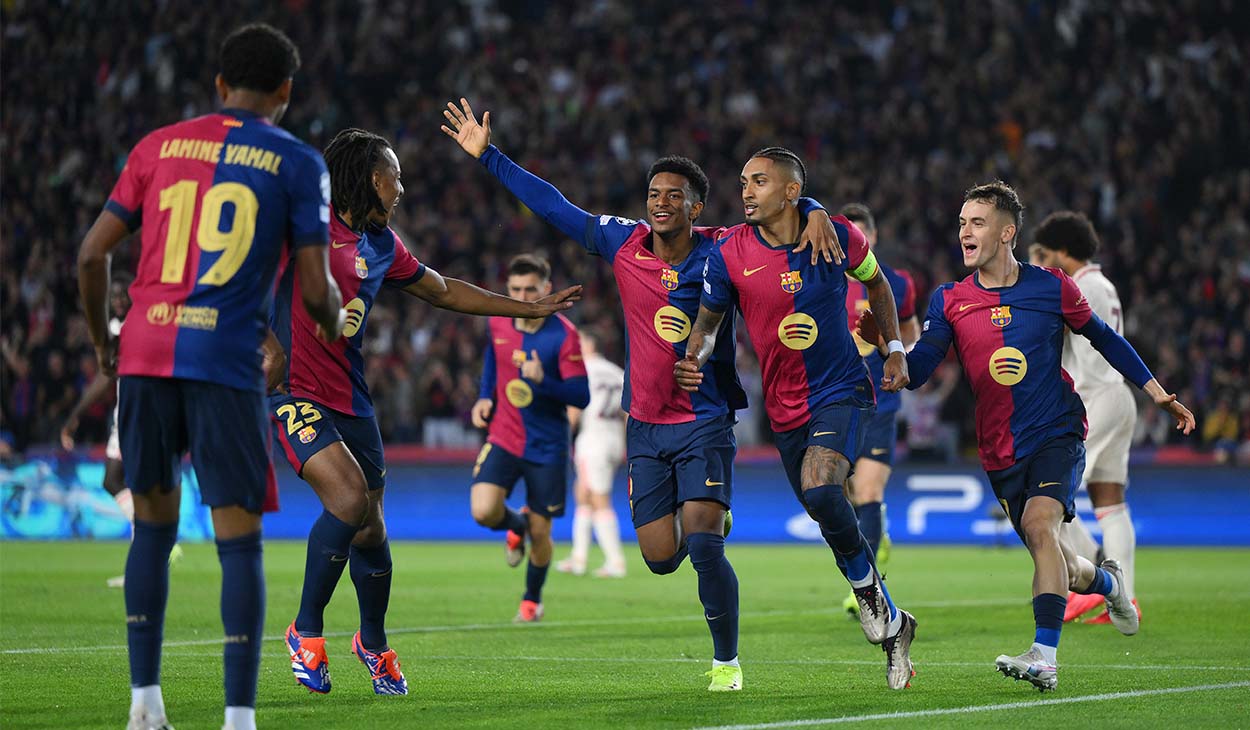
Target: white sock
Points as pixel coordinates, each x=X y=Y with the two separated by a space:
x=241 y=718
x=731 y=663
x=581 y=534
x=608 y=535
x=126 y=504
x=1048 y=653
x=1119 y=540
x=1076 y=534
x=148 y=698
x=895 y=625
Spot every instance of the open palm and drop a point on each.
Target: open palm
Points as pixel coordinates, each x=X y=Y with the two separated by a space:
x=472 y=137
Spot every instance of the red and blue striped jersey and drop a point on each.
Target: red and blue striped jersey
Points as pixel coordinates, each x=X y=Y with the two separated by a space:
x=1010 y=342
x=219 y=198
x=530 y=420
x=796 y=316
x=904 y=290
x=333 y=373
x=661 y=303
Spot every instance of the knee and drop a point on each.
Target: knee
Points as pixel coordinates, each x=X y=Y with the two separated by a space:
x=486 y=513
x=665 y=566
x=371 y=534
x=539 y=530
x=1039 y=532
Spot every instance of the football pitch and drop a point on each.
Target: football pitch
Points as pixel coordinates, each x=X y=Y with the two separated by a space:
x=631 y=653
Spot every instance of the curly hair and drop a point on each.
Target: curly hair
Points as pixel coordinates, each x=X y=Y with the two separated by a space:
x=1070 y=232
x=351 y=158
x=685 y=167
x=258 y=57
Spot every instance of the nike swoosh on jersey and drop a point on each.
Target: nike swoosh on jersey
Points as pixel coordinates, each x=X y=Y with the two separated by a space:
x=1043 y=485
x=962 y=307
x=340 y=245
x=554 y=507
x=748 y=272
x=710 y=483
x=824 y=433
x=638 y=255
x=500 y=341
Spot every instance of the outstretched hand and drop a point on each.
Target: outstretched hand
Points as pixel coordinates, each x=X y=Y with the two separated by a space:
x=1185 y=421
x=472 y=137
x=557 y=302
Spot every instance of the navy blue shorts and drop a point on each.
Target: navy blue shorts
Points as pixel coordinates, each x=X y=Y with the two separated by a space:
x=224 y=428
x=304 y=427
x=838 y=426
x=1053 y=471
x=880 y=436
x=672 y=463
x=546 y=485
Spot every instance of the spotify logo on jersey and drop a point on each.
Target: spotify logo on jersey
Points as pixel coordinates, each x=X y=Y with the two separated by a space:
x=519 y=393
x=1008 y=366
x=798 y=331
x=672 y=324
x=355 y=317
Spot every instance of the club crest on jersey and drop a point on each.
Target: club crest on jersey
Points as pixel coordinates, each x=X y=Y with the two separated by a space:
x=518 y=358
x=362 y=268
x=307 y=434
x=1000 y=316
x=791 y=282
x=668 y=279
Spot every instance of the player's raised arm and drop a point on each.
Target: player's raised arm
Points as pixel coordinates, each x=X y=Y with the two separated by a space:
x=537 y=194
x=461 y=296
x=94 y=257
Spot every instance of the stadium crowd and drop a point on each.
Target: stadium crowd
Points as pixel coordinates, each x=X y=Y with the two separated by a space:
x=1127 y=111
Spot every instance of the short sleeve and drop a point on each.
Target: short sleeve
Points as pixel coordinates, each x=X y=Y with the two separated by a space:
x=309 y=194
x=572 y=365
x=126 y=199
x=1076 y=311
x=606 y=234
x=405 y=268
x=936 y=329
x=717 y=288
x=860 y=263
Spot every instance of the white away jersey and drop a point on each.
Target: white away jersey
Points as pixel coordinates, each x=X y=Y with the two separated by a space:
x=1089 y=370
x=603 y=416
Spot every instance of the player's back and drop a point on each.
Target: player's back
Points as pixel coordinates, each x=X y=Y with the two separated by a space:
x=1090 y=371
x=219 y=198
x=603 y=415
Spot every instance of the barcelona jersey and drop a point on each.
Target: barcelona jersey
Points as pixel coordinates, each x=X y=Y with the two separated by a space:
x=333 y=373
x=219 y=198
x=796 y=316
x=1010 y=342
x=530 y=420
x=856 y=302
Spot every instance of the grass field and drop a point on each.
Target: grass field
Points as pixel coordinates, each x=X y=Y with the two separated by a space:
x=631 y=653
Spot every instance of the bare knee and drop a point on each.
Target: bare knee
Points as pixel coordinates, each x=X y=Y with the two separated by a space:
x=1039 y=533
x=486 y=504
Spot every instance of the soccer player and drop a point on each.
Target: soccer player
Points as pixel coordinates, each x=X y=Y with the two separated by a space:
x=220 y=198
x=322 y=413
x=1067 y=241
x=680 y=446
x=1006 y=321
x=533 y=372
x=866 y=486
x=817 y=391
x=598 y=452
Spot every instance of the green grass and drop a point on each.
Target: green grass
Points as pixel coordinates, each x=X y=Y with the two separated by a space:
x=631 y=653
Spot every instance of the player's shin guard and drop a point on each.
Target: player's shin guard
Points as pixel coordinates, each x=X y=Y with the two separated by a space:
x=664 y=567
x=147 y=591
x=242 y=615
x=868 y=516
x=830 y=507
x=329 y=542
x=718 y=591
x=371 y=572
x=1048 y=611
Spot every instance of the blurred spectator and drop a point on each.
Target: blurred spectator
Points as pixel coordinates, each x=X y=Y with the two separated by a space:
x=901 y=105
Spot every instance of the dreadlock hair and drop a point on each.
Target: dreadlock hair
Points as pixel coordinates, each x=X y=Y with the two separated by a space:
x=351 y=158
x=1003 y=197
x=258 y=57
x=860 y=215
x=1070 y=232
x=685 y=167
x=786 y=157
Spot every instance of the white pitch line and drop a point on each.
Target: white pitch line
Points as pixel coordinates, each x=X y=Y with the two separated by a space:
x=694 y=616
x=978 y=708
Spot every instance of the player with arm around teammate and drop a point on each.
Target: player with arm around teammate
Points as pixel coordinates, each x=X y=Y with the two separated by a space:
x=1066 y=240
x=322 y=413
x=598 y=452
x=220 y=198
x=818 y=396
x=680 y=446
x=1006 y=321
